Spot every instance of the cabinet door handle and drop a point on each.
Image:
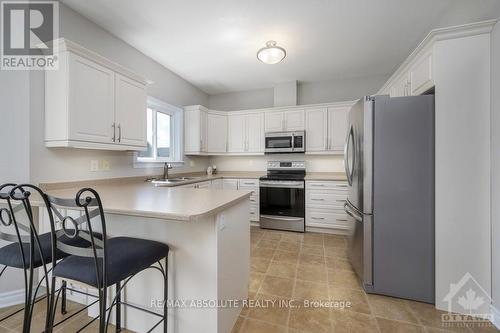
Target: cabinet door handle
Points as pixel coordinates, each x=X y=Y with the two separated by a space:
x=317 y=185
x=114 y=132
x=314 y=199
x=341 y=200
x=119 y=133
x=318 y=218
x=341 y=220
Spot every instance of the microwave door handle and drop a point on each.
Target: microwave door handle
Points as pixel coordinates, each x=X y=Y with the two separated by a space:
x=293 y=142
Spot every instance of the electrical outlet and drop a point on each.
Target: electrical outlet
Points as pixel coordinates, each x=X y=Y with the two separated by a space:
x=94 y=165
x=106 y=166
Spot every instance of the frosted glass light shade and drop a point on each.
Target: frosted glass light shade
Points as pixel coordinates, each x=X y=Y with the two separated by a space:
x=271 y=54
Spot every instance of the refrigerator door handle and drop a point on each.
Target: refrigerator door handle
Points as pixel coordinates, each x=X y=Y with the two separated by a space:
x=352 y=213
x=347 y=166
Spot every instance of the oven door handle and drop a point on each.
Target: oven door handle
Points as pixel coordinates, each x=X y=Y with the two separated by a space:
x=281 y=218
x=282 y=184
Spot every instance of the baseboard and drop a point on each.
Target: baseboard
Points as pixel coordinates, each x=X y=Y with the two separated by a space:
x=11 y=298
x=495 y=316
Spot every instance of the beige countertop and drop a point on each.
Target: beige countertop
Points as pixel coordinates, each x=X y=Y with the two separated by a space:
x=142 y=199
x=133 y=196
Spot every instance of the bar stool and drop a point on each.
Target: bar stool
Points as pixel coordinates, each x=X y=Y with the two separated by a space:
x=107 y=261
x=27 y=251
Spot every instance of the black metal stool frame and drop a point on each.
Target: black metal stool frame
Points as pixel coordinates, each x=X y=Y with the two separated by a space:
x=97 y=250
x=8 y=218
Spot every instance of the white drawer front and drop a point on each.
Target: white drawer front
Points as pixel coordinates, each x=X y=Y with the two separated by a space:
x=254 y=212
x=248 y=183
x=331 y=200
x=324 y=185
x=326 y=219
x=230 y=184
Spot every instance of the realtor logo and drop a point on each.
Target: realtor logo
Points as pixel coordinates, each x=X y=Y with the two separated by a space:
x=468 y=297
x=27 y=31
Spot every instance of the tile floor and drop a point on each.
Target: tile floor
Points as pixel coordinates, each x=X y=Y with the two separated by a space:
x=289 y=266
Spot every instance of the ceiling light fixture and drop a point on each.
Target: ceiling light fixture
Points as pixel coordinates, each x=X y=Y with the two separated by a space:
x=271 y=54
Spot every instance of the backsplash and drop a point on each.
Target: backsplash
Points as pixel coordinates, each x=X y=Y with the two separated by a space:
x=314 y=163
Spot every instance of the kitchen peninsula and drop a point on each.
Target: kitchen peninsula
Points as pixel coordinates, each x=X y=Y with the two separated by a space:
x=208 y=232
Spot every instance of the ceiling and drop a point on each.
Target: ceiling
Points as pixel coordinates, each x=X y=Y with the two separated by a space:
x=213 y=44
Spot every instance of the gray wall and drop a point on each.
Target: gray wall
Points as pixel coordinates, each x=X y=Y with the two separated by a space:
x=495 y=165
x=307 y=93
x=250 y=99
x=14 y=147
x=48 y=165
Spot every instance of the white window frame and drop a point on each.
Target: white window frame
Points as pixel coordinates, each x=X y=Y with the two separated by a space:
x=176 y=139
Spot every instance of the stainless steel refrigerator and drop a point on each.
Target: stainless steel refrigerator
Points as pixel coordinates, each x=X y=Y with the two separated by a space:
x=389 y=161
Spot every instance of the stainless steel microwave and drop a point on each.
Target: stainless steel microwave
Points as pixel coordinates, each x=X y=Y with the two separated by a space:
x=285 y=142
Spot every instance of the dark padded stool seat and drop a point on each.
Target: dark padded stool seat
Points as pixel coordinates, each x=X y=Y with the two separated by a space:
x=10 y=255
x=126 y=257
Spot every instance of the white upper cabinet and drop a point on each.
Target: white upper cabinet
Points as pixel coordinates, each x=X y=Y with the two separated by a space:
x=255 y=133
x=195 y=130
x=130 y=125
x=316 y=129
x=274 y=121
x=216 y=132
x=337 y=128
x=415 y=78
x=92 y=102
x=90 y=105
x=294 y=120
x=421 y=77
x=236 y=133
x=246 y=133
x=278 y=121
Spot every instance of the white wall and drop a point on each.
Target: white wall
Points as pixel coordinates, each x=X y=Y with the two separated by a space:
x=463 y=183
x=14 y=148
x=307 y=93
x=495 y=165
x=314 y=163
x=62 y=164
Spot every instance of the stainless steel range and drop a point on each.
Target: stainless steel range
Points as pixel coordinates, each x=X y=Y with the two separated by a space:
x=282 y=196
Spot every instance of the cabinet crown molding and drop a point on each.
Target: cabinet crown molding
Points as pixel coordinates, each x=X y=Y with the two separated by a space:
x=65 y=45
x=435 y=35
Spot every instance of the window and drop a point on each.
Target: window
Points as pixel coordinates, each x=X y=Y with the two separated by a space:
x=164 y=133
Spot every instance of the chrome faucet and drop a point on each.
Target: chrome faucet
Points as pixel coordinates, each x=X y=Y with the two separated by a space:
x=166 y=166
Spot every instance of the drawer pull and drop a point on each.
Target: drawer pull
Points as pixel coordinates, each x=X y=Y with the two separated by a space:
x=341 y=185
x=313 y=199
x=318 y=218
x=318 y=185
x=341 y=200
x=342 y=220
x=248 y=183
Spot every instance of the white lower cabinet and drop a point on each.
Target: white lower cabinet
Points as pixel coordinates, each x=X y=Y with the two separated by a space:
x=217 y=184
x=252 y=185
x=325 y=204
x=230 y=184
x=246 y=185
x=207 y=184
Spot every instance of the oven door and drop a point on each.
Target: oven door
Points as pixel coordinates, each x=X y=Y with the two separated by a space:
x=282 y=205
x=279 y=143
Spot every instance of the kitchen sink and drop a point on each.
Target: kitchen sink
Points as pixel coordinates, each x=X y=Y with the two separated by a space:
x=160 y=181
